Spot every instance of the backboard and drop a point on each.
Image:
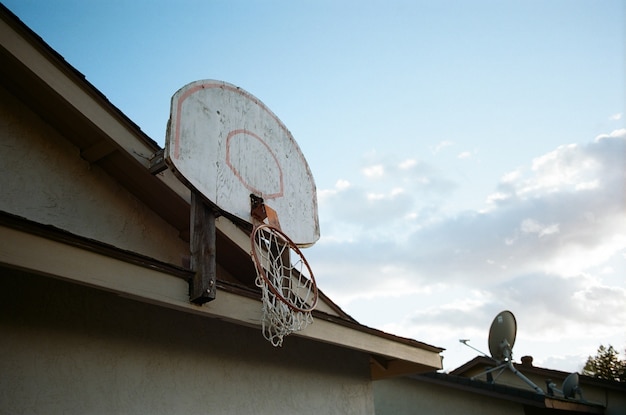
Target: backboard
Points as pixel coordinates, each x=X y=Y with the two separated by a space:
x=226 y=144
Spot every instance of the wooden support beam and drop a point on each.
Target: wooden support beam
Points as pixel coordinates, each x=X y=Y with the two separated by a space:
x=202 y=288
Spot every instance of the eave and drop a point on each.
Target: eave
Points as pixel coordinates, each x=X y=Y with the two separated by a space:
x=106 y=267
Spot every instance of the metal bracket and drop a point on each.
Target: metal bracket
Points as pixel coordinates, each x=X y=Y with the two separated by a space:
x=157 y=162
x=260 y=211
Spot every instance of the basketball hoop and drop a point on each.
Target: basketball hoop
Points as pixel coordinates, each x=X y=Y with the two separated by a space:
x=289 y=291
x=226 y=145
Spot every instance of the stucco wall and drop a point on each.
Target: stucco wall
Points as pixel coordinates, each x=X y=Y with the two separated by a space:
x=405 y=396
x=43 y=178
x=68 y=349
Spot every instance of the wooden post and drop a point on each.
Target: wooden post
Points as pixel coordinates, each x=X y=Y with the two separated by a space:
x=203 y=251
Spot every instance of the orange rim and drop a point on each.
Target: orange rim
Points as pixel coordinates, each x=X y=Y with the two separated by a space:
x=262 y=271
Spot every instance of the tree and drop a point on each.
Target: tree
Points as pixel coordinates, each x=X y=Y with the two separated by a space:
x=606 y=364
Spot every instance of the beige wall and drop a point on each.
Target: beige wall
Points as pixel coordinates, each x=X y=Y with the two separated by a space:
x=406 y=396
x=69 y=349
x=43 y=178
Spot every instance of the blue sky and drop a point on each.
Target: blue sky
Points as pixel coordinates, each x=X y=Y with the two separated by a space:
x=468 y=155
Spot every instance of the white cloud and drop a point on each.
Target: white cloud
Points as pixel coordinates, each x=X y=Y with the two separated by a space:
x=570 y=168
x=607 y=270
x=376 y=196
x=374 y=171
x=574 y=259
x=440 y=146
x=532 y=226
x=511 y=176
x=496 y=197
x=591 y=184
x=563 y=167
x=342 y=184
x=464 y=155
x=324 y=194
x=616 y=117
x=621 y=133
x=407 y=164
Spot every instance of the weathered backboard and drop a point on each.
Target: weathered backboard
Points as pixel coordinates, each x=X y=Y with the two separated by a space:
x=226 y=144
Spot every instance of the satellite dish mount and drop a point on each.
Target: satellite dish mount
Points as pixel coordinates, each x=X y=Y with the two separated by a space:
x=501 y=340
x=502 y=335
x=570 y=387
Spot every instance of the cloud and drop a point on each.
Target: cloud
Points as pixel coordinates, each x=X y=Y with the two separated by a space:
x=570 y=168
x=324 y=194
x=541 y=248
x=621 y=133
x=371 y=208
x=440 y=146
x=511 y=177
x=404 y=195
x=532 y=226
x=407 y=164
x=374 y=171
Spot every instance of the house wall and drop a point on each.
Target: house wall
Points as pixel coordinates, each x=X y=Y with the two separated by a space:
x=43 y=179
x=406 y=396
x=615 y=402
x=70 y=349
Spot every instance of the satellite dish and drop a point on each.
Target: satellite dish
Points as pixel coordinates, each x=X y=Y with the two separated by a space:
x=501 y=340
x=502 y=336
x=570 y=385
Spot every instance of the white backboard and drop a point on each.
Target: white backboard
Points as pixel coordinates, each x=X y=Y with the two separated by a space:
x=226 y=144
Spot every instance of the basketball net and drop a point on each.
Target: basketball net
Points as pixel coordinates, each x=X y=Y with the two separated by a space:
x=288 y=289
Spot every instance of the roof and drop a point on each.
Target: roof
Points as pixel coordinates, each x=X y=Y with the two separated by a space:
x=522 y=396
x=479 y=362
x=35 y=73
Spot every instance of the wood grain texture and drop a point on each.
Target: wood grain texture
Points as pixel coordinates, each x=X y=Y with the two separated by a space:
x=202 y=288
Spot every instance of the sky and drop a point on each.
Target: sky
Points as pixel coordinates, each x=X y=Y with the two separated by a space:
x=469 y=156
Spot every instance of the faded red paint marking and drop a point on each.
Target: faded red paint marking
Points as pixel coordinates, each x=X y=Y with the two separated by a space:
x=179 y=106
x=247 y=185
x=199 y=87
